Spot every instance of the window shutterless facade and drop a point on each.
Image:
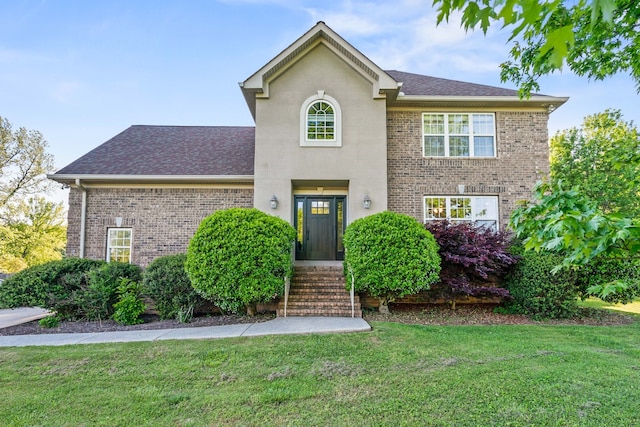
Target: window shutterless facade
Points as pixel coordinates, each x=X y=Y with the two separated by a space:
x=119 y=244
x=459 y=135
x=482 y=210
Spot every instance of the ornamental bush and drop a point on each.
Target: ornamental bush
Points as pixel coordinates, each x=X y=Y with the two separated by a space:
x=605 y=274
x=166 y=282
x=390 y=255
x=473 y=259
x=239 y=257
x=39 y=285
x=537 y=291
x=130 y=306
x=95 y=300
x=74 y=288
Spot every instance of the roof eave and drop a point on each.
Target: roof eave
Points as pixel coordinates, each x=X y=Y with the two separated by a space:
x=149 y=179
x=547 y=102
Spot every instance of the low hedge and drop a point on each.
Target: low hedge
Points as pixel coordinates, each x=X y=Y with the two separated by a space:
x=36 y=286
x=538 y=292
x=601 y=271
x=74 y=288
x=167 y=283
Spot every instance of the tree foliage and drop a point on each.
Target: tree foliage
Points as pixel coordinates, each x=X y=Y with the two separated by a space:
x=566 y=222
x=31 y=233
x=239 y=257
x=390 y=255
x=473 y=258
x=594 y=38
x=24 y=163
x=595 y=158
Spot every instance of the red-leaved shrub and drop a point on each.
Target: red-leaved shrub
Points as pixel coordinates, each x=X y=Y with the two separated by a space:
x=473 y=259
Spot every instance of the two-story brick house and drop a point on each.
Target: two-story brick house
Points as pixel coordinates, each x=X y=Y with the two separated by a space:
x=335 y=138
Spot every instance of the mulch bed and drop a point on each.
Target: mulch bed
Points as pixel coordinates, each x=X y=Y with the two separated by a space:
x=418 y=315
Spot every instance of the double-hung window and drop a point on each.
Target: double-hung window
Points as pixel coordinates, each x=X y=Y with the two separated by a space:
x=458 y=135
x=119 y=243
x=482 y=210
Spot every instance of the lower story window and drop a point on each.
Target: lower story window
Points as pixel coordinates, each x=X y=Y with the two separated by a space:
x=483 y=210
x=119 y=244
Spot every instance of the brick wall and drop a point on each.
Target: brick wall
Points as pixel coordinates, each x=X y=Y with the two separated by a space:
x=523 y=158
x=163 y=220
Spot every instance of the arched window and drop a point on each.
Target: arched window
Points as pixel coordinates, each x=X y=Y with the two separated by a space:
x=320 y=119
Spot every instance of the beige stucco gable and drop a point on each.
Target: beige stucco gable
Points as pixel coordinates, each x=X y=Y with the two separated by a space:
x=258 y=84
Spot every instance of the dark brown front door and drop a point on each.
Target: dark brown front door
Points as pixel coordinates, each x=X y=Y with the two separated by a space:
x=319 y=222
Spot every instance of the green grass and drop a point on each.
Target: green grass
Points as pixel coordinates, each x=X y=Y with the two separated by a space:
x=397 y=375
x=632 y=308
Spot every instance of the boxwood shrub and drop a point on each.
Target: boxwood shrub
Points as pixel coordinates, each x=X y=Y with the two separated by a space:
x=538 y=292
x=239 y=257
x=166 y=282
x=36 y=286
x=74 y=288
x=390 y=255
x=601 y=271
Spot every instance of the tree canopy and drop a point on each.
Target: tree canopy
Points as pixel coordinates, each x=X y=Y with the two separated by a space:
x=24 y=163
x=594 y=38
x=32 y=229
x=595 y=157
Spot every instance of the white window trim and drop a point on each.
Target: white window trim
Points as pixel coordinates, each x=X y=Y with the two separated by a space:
x=474 y=208
x=337 y=141
x=109 y=247
x=471 y=135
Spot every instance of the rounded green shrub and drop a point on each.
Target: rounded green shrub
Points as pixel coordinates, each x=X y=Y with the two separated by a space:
x=166 y=282
x=40 y=285
x=536 y=291
x=390 y=255
x=239 y=257
x=602 y=271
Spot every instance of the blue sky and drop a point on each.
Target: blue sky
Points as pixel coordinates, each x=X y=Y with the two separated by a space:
x=80 y=72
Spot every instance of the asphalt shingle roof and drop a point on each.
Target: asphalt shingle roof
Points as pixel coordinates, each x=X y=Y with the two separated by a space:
x=171 y=150
x=419 y=85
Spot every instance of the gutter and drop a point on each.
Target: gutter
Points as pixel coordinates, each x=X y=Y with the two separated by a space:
x=83 y=216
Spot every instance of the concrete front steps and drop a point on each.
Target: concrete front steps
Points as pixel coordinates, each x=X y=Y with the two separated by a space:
x=319 y=291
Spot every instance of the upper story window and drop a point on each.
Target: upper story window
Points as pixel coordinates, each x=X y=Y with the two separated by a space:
x=459 y=135
x=482 y=210
x=320 y=122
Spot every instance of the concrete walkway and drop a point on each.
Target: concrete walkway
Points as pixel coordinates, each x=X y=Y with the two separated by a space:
x=278 y=326
x=17 y=316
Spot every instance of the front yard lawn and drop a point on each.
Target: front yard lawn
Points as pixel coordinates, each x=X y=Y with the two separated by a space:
x=399 y=374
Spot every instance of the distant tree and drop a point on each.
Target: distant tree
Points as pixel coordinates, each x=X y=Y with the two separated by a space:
x=594 y=158
x=595 y=38
x=31 y=233
x=24 y=162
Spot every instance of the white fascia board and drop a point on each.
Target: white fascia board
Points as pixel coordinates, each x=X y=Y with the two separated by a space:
x=542 y=101
x=151 y=178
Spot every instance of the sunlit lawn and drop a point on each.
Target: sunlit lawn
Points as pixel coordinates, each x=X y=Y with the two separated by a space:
x=525 y=375
x=633 y=307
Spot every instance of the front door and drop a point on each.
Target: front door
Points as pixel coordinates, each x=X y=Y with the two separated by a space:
x=319 y=222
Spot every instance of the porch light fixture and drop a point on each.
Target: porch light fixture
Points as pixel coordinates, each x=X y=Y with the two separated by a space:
x=366 y=202
x=273 y=202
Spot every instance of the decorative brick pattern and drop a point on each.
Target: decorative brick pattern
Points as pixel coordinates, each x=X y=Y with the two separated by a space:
x=163 y=220
x=523 y=158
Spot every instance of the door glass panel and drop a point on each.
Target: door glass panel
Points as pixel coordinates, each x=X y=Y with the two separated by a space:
x=320 y=207
x=340 y=224
x=300 y=222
